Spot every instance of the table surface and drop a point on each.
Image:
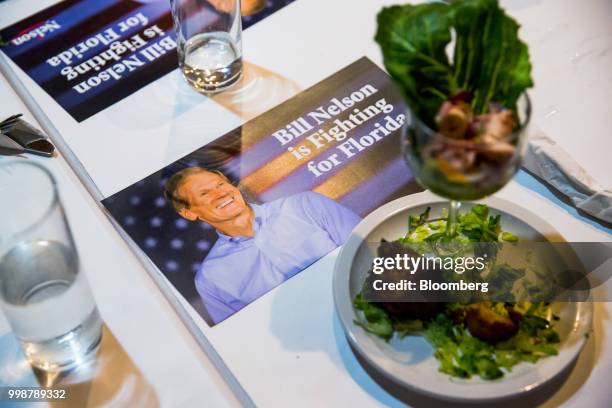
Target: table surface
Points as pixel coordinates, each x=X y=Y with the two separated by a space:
x=149 y=357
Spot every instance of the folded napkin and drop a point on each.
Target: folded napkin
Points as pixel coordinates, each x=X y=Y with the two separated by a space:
x=548 y=161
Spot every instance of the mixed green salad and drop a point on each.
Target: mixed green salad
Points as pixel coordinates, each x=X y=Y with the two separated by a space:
x=484 y=338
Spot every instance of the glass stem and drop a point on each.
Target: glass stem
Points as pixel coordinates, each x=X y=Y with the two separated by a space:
x=451 y=224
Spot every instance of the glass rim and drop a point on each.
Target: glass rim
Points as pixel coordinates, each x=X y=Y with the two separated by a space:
x=54 y=199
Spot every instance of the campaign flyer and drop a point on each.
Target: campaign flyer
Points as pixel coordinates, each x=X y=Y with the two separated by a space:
x=239 y=216
x=90 y=54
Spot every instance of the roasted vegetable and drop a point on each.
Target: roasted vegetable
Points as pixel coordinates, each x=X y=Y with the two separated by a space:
x=491 y=325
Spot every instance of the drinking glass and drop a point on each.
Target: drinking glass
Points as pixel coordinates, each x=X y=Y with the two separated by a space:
x=209 y=38
x=43 y=292
x=464 y=169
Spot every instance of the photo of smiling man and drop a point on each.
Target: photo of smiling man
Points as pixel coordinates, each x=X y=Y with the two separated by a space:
x=258 y=246
x=237 y=217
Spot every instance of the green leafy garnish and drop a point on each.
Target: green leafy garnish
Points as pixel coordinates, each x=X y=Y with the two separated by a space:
x=406 y=327
x=460 y=354
x=488 y=60
x=478 y=226
x=508 y=237
x=414 y=222
x=413 y=41
x=376 y=320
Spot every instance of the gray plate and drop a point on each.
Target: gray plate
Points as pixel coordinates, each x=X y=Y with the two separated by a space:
x=410 y=362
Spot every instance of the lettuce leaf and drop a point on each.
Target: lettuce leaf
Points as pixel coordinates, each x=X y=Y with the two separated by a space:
x=376 y=319
x=413 y=41
x=414 y=222
x=489 y=59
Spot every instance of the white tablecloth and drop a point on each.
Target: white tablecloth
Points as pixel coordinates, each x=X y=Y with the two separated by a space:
x=152 y=359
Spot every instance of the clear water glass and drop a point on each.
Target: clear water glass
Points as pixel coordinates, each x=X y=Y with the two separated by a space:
x=43 y=292
x=209 y=38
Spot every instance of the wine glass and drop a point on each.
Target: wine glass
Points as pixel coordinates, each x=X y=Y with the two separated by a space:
x=466 y=158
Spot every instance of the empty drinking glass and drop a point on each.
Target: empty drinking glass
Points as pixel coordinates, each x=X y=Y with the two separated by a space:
x=43 y=292
x=209 y=38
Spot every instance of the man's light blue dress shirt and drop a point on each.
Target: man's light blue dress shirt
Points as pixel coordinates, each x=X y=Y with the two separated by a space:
x=290 y=234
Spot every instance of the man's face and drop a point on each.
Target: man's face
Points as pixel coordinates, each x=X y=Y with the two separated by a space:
x=212 y=198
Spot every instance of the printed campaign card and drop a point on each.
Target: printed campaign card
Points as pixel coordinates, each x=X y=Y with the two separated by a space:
x=239 y=216
x=90 y=54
